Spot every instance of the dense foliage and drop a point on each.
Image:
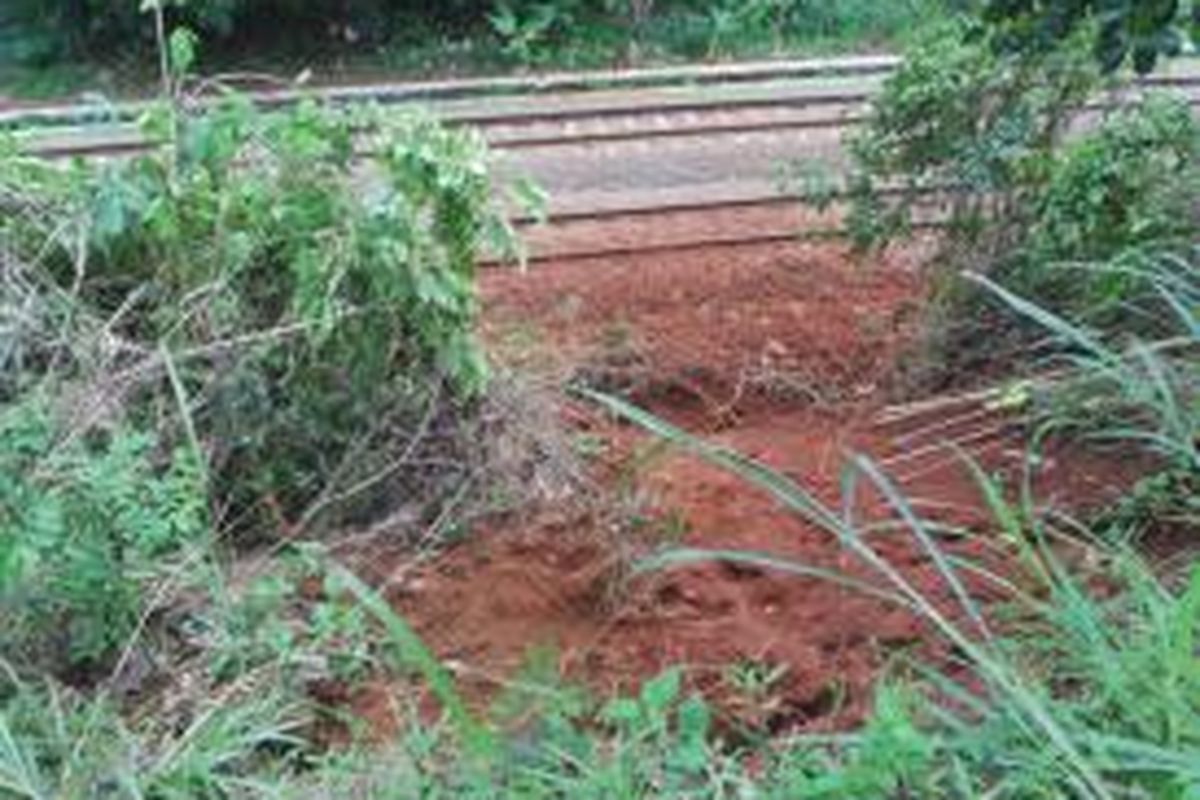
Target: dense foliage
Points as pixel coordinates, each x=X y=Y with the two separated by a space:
x=78 y=520
x=1136 y=31
x=241 y=332
x=527 y=32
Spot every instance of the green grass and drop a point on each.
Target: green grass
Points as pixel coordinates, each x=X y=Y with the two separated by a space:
x=1074 y=696
x=1080 y=697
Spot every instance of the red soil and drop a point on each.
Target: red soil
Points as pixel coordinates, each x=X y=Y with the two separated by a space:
x=779 y=352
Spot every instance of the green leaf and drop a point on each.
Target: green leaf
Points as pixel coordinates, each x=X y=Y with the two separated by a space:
x=622 y=712
x=660 y=693
x=695 y=718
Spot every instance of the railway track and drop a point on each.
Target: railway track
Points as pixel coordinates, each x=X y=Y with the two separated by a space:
x=563 y=119
x=753 y=217
x=665 y=115
x=557 y=109
x=491 y=90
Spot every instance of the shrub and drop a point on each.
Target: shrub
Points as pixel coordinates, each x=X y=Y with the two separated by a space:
x=299 y=325
x=1129 y=184
x=1000 y=139
x=999 y=145
x=311 y=313
x=1137 y=31
x=975 y=127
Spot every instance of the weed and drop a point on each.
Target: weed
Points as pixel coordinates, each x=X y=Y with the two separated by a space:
x=1121 y=389
x=755 y=679
x=86 y=525
x=56 y=744
x=754 y=686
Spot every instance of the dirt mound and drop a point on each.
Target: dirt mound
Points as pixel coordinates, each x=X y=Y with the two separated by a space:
x=780 y=353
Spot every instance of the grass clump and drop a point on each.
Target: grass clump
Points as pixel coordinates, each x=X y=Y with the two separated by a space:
x=1058 y=695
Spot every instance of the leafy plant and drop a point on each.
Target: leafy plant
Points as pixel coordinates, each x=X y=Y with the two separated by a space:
x=976 y=128
x=526 y=33
x=86 y=523
x=309 y=318
x=1127 y=185
x=998 y=147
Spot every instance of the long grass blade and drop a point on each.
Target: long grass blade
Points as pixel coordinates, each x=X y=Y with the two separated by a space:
x=413 y=653
x=917 y=527
x=689 y=557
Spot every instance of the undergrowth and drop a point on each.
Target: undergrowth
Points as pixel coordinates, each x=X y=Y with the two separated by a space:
x=243 y=335
x=67 y=47
x=215 y=353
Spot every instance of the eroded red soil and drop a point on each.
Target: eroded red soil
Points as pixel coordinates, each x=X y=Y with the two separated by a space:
x=780 y=352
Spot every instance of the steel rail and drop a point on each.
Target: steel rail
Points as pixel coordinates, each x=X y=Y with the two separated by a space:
x=763 y=200
x=704 y=243
x=847 y=120
x=852 y=101
x=393 y=93
x=135 y=144
x=757 y=200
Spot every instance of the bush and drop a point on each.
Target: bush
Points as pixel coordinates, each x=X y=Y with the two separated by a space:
x=299 y=325
x=976 y=127
x=1000 y=139
x=1129 y=184
x=311 y=315
x=999 y=145
x=1133 y=31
